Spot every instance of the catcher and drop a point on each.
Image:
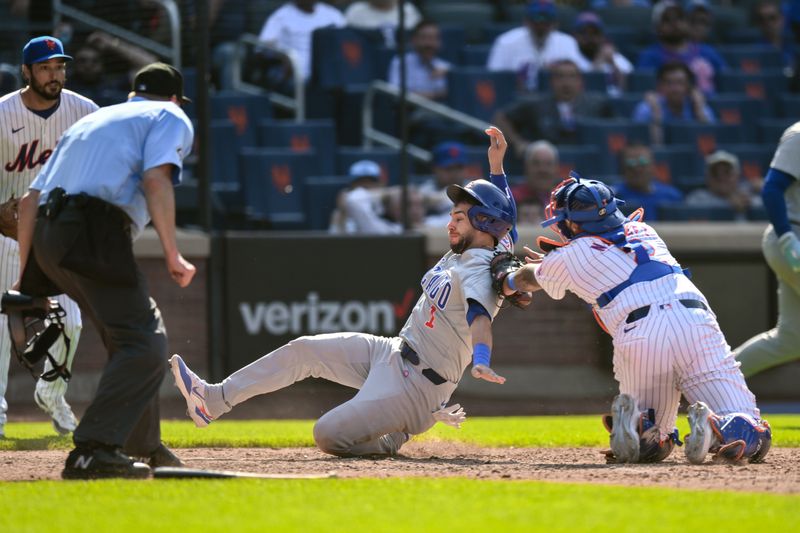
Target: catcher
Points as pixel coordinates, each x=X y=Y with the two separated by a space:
x=666 y=338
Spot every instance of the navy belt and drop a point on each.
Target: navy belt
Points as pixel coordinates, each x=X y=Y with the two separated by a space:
x=638 y=314
x=408 y=353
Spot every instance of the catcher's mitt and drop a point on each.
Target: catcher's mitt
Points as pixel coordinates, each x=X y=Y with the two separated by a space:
x=8 y=217
x=503 y=264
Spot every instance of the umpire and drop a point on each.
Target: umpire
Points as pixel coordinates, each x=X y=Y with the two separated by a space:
x=111 y=173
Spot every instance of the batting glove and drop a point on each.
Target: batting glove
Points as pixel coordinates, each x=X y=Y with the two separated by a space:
x=452 y=416
x=790 y=248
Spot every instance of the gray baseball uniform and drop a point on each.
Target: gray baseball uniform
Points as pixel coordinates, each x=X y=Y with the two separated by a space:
x=26 y=142
x=782 y=343
x=396 y=397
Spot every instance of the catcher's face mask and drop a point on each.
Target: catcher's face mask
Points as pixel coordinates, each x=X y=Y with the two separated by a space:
x=35 y=323
x=604 y=216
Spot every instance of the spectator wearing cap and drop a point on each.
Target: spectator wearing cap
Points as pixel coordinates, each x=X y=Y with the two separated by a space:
x=600 y=52
x=674 y=44
x=724 y=186
x=676 y=99
x=533 y=46
x=700 y=16
x=449 y=167
x=366 y=206
x=639 y=187
x=541 y=175
x=553 y=116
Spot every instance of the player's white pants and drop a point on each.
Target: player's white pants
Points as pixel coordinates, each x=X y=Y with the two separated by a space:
x=47 y=391
x=393 y=398
x=676 y=350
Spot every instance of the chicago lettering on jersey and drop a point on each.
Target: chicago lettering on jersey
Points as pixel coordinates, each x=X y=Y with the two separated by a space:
x=315 y=316
x=26 y=158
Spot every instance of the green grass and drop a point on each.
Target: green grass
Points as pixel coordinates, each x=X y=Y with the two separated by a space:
x=371 y=505
x=500 y=431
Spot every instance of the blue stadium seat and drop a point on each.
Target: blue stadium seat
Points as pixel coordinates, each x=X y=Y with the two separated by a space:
x=640 y=81
x=766 y=85
x=225 y=178
x=244 y=111
x=479 y=92
x=674 y=163
x=741 y=111
x=344 y=56
x=754 y=159
x=470 y=16
x=789 y=105
x=592 y=81
x=583 y=159
x=751 y=58
x=624 y=104
x=475 y=55
x=453 y=41
x=274 y=185
x=318 y=136
x=610 y=137
x=704 y=137
x=771 y=129
x=387 y=158
x=686 y=213
x=320 y=199
x=757 y=213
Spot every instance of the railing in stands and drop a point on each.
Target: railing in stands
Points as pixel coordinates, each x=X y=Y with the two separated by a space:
x=295 y=103
x=370 y=134
x=173 y=52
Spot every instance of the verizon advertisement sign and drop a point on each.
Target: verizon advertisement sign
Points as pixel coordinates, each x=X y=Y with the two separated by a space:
x=282 y=287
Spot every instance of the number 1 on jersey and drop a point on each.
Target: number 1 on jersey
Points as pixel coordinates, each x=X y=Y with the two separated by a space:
x=429 y=323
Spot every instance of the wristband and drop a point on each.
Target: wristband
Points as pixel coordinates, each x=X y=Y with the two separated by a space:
x=481 y=354
x=510 y=281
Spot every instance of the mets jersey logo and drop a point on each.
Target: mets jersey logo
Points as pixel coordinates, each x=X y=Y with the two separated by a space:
x=27 y=159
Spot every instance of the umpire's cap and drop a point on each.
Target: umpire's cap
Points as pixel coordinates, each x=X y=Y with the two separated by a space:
x=43 y=48
x=160 y=79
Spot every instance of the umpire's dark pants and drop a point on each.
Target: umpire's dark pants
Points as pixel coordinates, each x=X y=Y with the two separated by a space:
x=112 y=292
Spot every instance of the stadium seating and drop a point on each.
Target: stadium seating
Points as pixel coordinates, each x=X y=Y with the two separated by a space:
x=224 y=163
x=610 y=137
x=771 y=129
x=274 y=185
x=320 y=199
x=705 y=137
x=244 y=111
x=765 y=85
x=741 y=111
x=582 y=159
x=676 y=162
x=479 y=92
x=344 y=56
x=751 y=59
x=686 y=213
x=475 y=55
x=640 y=81
x=470 y=16
x=317 y=136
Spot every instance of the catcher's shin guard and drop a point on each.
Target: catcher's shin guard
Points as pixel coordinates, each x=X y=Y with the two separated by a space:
x=740 y=437
x=652 y=448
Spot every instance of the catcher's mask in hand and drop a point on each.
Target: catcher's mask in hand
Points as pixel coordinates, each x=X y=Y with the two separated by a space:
x=35 y=324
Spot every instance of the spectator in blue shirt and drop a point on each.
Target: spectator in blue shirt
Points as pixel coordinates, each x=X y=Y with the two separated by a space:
x=426 y=73
x=640 y=188
x=767 y=16
x=676 y=99
x=674 y=44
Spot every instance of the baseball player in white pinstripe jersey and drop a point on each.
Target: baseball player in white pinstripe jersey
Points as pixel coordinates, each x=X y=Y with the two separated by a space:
x=31 y=122
x=666 y=338
x=406 y=381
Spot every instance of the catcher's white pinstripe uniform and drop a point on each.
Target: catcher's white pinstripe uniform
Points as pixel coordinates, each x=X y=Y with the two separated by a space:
x=673 y=348
x=26 y=142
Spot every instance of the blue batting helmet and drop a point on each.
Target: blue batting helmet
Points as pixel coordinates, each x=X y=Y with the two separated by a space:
x=590 y=203
x=493 y=212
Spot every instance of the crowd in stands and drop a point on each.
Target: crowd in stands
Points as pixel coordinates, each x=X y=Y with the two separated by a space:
x=673 y=102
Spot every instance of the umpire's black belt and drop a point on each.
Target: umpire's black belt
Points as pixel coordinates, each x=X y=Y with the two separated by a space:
x=408 y=353
x=58 y=200
x=638 y=314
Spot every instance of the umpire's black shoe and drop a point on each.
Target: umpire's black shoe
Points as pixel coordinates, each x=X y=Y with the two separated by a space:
x=163 y=456
x=102 y=462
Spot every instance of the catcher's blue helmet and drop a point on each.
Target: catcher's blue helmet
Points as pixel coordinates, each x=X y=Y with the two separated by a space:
x=492 y=203
x=590 y=203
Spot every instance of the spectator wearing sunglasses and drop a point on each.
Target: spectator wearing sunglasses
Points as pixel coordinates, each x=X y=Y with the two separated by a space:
x=639 y=187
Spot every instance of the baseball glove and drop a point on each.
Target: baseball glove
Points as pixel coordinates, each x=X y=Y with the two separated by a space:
x=503 y=264
x=8 y=218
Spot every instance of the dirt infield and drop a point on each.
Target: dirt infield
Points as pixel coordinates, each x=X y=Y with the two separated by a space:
x=780 y=474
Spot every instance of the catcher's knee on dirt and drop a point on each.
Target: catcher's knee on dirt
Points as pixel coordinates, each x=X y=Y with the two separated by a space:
x=653 y=448
x=740 y=437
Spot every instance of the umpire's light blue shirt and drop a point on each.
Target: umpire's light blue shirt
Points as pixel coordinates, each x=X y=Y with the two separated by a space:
x=106 y=152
